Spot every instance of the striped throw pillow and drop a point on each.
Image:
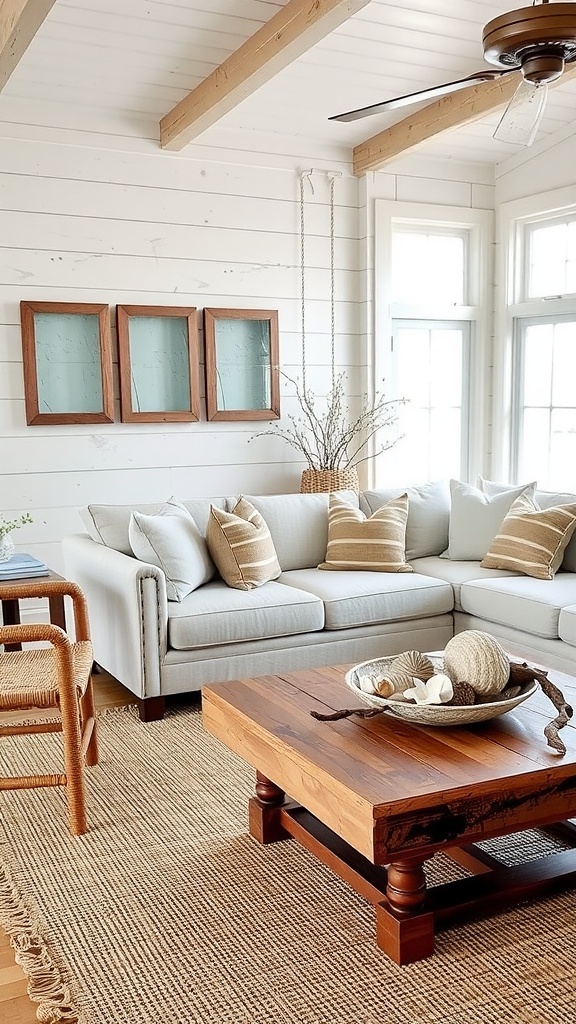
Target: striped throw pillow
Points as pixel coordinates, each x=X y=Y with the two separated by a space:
x=241 y=546
x=376 y=544
x=532 y=540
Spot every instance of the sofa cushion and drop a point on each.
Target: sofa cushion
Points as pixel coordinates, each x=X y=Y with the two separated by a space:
x=567 y=624
x=428 y=515
x=108 y=524
x=475 y=517
x=456 y=573
x=298 y=524
x=376 y=544
x=367 y=598
x=241 y=546
x=172 y=541
x=521 y=602
x=531 y=540
x=546 y=499
x=217 y=614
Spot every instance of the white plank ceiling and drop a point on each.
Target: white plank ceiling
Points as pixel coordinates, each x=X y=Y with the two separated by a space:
x=118 y=66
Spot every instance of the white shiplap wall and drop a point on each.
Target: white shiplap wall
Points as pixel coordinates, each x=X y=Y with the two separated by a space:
x=103 y=218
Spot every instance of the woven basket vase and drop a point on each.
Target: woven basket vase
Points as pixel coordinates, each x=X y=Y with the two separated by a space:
x=317 y=480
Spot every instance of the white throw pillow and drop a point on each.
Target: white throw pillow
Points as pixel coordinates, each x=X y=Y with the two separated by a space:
x=172 y=541
x=475 y=517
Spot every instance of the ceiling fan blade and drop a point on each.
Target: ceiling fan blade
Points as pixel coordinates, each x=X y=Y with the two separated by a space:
x=424 y=94
x=521 y=118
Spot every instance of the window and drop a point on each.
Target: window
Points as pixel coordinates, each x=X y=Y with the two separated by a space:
x=541 y=332
x=545 y=357
x=430 y=281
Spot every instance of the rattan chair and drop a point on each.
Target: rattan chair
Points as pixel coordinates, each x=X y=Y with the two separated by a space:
x=56 y=677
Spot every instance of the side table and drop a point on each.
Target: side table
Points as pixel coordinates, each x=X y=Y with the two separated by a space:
x=11 y=605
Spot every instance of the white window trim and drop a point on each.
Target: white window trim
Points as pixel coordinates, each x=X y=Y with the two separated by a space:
x=480 y=223
x=510 y=235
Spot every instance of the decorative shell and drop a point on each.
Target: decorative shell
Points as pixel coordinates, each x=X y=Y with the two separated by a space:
x=412 y=663
x=394 y=684
x=436 y=690
x=477 y=658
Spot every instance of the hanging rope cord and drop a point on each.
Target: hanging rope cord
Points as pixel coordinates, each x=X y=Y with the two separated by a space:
x=307 y=176
x=332 y=179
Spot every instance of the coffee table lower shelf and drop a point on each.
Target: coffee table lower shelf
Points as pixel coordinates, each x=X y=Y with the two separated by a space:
x=407 y=912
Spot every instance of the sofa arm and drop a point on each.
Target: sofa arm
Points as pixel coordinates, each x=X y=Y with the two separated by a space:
x=128 y=611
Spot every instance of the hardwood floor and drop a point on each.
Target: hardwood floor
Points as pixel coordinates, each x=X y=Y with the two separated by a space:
x=15 y=1006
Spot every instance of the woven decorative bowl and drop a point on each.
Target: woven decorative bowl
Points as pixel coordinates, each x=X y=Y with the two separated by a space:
x=431 y=714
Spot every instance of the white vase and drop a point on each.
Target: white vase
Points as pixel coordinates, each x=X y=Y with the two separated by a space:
x=6 y=547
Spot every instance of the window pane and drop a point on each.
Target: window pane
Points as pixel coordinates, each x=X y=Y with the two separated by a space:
x=546 y=422
x=446 y=367
x=413 y=351
x=563 y=392
x=548 y=260
x=427 y=267
x=535 y=446
x=562 y=449
x=428 y=361
x=538 y=364
x=445 y=434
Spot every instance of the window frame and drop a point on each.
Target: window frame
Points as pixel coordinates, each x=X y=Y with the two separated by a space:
x=515 y=219
x=478 y=227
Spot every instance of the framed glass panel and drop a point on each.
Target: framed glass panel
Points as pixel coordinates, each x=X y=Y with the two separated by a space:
x=242 y=376
x=158 y=362
x=67 y=358
x=544 y=412
x=430 y=369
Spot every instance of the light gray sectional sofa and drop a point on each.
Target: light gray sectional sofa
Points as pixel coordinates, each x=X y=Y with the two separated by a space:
x=309 y=617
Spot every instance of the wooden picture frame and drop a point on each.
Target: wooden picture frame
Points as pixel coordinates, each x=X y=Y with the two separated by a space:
x=158 y=364
x=242 y=375
x=67 y=359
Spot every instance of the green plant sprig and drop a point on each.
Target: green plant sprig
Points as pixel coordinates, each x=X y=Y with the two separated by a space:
x=7 y=525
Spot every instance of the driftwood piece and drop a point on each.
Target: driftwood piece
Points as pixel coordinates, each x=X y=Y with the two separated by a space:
x=360 y=712
x=523 y=673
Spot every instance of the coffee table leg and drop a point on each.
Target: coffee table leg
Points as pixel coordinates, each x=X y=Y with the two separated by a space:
x=264 y=811
x=404 y=930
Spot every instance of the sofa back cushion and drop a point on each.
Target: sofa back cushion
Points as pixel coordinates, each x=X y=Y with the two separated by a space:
x=109 y=524
x=428 y=515
x=546 y=499
x=476 y=515
x=298 y=525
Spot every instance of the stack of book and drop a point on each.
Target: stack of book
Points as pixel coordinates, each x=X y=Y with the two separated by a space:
x=22 y=566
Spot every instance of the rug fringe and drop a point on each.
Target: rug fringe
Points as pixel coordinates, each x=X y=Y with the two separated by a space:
x=46 y=985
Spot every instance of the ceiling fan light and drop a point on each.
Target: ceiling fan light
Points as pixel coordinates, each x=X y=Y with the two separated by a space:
x=542 y=68
x=521 y=119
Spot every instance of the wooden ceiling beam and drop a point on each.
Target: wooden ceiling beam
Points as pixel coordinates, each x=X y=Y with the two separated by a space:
x=299 y=25
x=19 y=23
x=443 y=115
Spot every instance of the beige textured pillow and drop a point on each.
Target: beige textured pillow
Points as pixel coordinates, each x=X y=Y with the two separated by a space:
x=532 y=540
x=376 y=544
x=241 y=546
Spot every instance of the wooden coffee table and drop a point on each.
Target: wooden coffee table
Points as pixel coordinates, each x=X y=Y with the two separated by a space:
x=371 y=792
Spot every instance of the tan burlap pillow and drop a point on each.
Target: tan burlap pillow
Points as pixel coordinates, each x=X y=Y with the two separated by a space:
x=532 y=540
x=241 y=546
x=376 y=544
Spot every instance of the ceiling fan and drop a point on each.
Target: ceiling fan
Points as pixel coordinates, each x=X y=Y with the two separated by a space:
x=539 y=41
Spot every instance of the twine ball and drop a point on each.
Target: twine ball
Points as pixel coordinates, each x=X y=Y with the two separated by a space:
x=477 y=658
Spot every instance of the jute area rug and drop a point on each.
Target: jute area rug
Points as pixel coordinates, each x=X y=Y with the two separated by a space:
x=167 y=912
